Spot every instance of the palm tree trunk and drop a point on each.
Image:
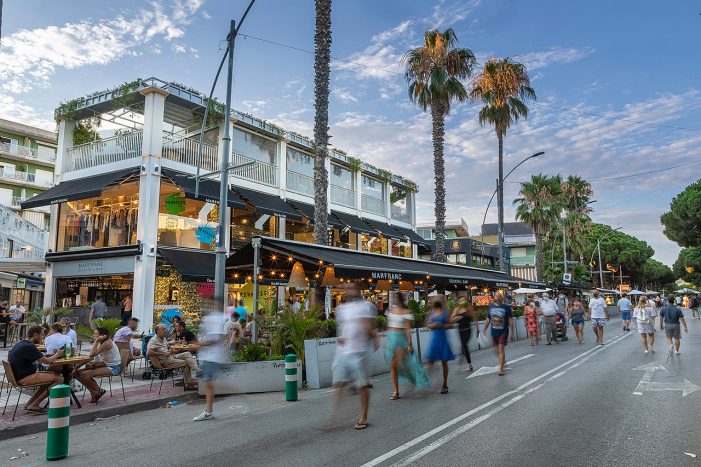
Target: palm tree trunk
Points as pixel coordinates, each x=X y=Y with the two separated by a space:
x=322 y=58
x=539 y=257
x=438 y=118
x=500 y=188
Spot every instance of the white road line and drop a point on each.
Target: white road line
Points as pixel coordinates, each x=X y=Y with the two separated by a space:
x=450 y=423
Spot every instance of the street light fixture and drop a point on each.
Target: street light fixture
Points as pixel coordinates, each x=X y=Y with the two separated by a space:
x=500 y=201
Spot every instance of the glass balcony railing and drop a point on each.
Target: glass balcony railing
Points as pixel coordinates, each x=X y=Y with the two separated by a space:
x=253 y=169
x=298 y=183
x=42 y=154
x=342 y=196
x=373 y=205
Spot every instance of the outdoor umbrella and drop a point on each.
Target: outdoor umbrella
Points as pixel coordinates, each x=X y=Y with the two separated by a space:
x=636 y=292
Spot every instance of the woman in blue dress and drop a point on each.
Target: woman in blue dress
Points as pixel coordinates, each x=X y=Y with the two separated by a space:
x=439 y=348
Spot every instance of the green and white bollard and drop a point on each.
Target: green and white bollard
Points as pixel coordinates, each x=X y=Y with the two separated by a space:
x=59 y=416
x=291 y=377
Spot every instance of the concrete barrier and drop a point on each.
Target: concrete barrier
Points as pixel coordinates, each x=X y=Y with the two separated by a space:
x=251 y=377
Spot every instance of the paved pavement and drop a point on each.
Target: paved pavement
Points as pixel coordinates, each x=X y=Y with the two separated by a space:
x=565 y=404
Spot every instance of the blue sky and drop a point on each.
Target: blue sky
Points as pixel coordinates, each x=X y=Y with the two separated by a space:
x=628 y=61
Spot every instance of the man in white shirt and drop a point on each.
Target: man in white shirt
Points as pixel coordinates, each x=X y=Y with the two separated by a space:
x=624 y=306
x=56 y=339
x=598 y=315
x=69 y=332
x=548 y=308
x=17 y=311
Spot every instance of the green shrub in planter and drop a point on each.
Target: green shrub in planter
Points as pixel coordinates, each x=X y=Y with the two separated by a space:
x=252 y=353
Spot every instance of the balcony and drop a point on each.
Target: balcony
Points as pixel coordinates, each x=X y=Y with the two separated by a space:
x=299 y=183
x=373 y=205
x=261 y=172
x=25 y=178
x=18 y=151
x=342 y=196
x=187 y=151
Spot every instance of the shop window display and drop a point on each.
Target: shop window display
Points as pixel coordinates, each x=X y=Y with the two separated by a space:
x=185 y=222
x=402 y=249
x=300 y=231
x=106 y=221
x=345 y=238
x=374 y=244
x=247 y=223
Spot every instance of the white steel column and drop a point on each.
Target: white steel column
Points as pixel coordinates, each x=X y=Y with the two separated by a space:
x=327 y=164
x=358 y=176
x=282 y=168
x=65 y=141
x=149 y=192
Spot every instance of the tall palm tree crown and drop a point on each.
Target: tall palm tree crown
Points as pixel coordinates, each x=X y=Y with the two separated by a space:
x=322 y=62
x=576 y=196
x=539 y=207
x=434 y=73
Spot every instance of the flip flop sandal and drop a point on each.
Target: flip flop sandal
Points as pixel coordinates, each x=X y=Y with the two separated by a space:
x=444 y=390
x=361 y=426
x=98 y=396
x=394 y=396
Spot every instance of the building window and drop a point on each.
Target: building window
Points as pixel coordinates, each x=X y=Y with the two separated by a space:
x=518 y=251
x=426 y=233
x=300 y=231
x=255 y=147
x=345 y=238
x=247 y=223
x=342 y=186
x=106 y=221
x=400 y=204
x=402 y=249
x=373 y=195
x=374 y=244
x=300 y=172
x=186 y=222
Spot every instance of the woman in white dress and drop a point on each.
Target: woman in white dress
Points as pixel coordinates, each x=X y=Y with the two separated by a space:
x=645 y=314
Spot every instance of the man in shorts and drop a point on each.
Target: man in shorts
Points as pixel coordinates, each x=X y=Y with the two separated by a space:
x=598 y=315
x=624 y=306
x=671 y=317
x=357 y=339
x=500 y=316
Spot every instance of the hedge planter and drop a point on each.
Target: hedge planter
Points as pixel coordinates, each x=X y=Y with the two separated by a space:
x=249 y=377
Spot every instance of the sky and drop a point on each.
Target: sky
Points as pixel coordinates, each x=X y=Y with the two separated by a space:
x=617 y=85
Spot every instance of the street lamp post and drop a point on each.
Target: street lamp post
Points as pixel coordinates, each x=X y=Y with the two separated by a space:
x=500 y=201
x=598 y=248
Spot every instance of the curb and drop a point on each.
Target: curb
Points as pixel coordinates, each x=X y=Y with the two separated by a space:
x=41 y=426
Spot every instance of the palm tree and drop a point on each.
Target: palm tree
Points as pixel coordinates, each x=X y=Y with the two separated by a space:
x=503 y=86
x=322 y=60
x=434 y=73
x=539 y=207
x=576 y=196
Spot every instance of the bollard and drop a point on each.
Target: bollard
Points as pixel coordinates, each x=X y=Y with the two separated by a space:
x=291 y=377
x=59 y=414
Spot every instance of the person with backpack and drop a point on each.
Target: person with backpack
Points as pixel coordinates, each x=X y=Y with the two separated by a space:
x=644 y=314
x=694 y=305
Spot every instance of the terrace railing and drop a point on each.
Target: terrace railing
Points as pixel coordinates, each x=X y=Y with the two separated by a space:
x=373 y=205
x=342 y=196
x=299 y=183
x=186 y=151
x=104 y=151
x=41 y=154
x=261 y=172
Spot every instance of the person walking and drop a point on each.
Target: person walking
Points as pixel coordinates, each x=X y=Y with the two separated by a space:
x=624 y=306
x=531 y=315
x=644 y=315
x=210 y=354
x=548 y=308
x=598 y=314
x=98 y=309
x=404 y=364
x=464 y=315
x=670 y=317
x=439 y=348
x=500 y=317
x=577 y=317
x=357 y=339
x=694 y=305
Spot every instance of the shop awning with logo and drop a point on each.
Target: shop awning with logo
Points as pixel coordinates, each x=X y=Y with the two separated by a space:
x=208 y=192
x=81 y=188
x=192 y=265
x=353 y=222
x=361 y=265
x=268 y=204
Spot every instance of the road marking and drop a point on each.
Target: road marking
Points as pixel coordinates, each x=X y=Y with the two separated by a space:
x=403 y=447
x=486 y=370
x=646 y=383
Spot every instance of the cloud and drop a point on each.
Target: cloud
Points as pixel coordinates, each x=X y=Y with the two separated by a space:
x=445 y=15
x=255 y=105
x=18 y=111
x=555 y=55
x=344 y=95
x=37 y=54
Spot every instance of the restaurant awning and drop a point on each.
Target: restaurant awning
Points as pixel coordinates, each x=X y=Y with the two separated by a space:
x=193 y=265
x=385 y=229
x=209 y=189
x=353 y=222
x=81 y=188
x=307 y=211
x=268 y=204
x=411 y=235
x=362 y=265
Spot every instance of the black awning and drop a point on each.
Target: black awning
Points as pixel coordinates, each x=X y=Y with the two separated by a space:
x=193 y=265
x=354 y=222
x=385 y=229
x=80 y=188
x=209 y=189
x=411 y=235
x=268 y=204
x=307 y=211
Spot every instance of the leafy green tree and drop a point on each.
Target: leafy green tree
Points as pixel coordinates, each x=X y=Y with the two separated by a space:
x=539 y=207
x=682 y=224
x=688 y=265
x=619 y=250
x=656 y=275
x=434 y=73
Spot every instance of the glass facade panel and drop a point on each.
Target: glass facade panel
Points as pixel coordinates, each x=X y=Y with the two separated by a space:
x=341 y=177
x=372 y=187
x=186 y=222
x=374 y=244
x=105 y=221
x=344 y=238
x=300 y=162
x=300 y=231
x=254 y=146
x=400 y=204
x=402 y=249
x=247 y=223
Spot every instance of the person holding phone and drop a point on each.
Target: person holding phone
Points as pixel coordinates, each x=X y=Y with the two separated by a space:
x=106 y=362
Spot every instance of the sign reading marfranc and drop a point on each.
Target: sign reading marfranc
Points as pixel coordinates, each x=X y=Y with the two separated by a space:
x=389 y=276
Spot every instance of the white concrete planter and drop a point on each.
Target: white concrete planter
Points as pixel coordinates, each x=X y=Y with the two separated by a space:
x=249 y=377
x=520 y=325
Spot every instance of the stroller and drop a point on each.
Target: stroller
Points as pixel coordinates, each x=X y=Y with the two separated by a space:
x=561 y=322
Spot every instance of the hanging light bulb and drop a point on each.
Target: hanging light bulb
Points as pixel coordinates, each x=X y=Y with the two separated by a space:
x=297 y=278
x=329 y=279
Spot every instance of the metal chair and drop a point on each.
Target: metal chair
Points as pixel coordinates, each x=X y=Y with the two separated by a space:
x=14 y=384
x=124 y=362
x=162 y=373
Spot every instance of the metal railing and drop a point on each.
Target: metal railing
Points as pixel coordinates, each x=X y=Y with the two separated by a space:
x=299 y=183
x=22 y=232
x=104 y=151
x=16 y=201
x=400 y=214
x=42 y=154
x=260 y=172
x=27 y=177
x=342 y=196
x=186 y=151
x=373 y=205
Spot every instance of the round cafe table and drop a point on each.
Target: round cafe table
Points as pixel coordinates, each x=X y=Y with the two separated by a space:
x=67 y=366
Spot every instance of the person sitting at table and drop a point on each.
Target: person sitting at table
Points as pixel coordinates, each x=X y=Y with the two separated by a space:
x=56 y=339
x=22 y=358
x=16 y=314
x=69 y=332
x=171 y=328
x=233 y=332
x=158 y=348
x=182 y=333
x=106 y=362
x=127 y=333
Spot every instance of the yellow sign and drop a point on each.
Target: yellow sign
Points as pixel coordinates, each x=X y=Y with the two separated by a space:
x=624 y=288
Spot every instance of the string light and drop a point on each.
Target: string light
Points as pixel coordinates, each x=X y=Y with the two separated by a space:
x=274 y=257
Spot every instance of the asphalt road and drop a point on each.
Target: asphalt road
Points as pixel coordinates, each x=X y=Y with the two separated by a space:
x=565 y=404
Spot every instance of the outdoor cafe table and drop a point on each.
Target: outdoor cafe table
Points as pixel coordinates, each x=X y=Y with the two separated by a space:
x=184 y=347
x=69 y=364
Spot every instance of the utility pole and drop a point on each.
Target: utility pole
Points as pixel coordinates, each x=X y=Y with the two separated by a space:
x=601 y=272
x=564 y=247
